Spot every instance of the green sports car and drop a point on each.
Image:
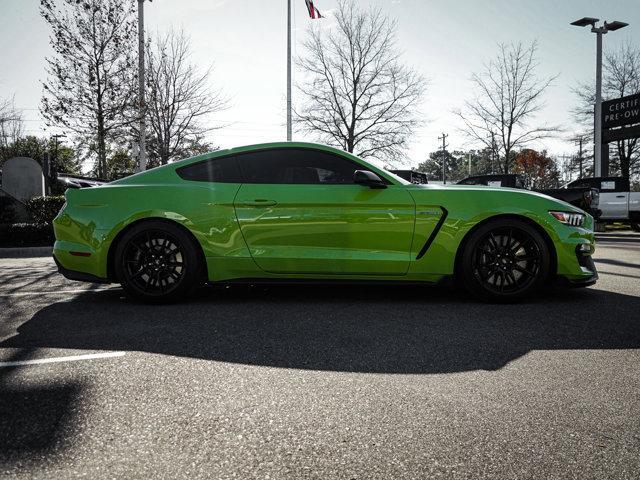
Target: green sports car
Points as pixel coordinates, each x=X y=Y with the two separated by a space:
x=289 y=212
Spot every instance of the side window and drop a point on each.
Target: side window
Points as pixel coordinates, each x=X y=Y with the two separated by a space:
x=614 y=184
x=216 y=170
x=608 y=185
x=296 y=166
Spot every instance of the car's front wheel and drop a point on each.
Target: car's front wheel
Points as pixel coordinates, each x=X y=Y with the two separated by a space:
x=157 y=262
x=505 y=260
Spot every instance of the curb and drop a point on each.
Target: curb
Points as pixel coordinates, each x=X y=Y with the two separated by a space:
x=26 y=252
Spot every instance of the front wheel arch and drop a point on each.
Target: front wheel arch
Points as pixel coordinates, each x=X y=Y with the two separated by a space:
x=553 y=261
x=111 y=274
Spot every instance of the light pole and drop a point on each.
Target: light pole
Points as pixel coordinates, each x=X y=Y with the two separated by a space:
x=142 y=147
x=289 y=118
x=599 y=31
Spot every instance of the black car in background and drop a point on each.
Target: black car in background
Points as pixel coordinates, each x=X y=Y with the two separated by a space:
x=586 y=198
x=412 y=176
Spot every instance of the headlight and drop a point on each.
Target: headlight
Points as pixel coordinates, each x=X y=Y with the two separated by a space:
x=570 y=218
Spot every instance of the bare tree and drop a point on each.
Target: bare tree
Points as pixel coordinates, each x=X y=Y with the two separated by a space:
x=89 y=75
x=621 y=77
x=11 y=123
x=357 y=94
x=508 y=95
x=179 y=99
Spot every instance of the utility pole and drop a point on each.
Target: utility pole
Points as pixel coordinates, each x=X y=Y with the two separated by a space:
x=565 y=161
x=469 y=163
x=493 y=151
x=142 y=147
x=444 y=157
x=579 y=140
x=289 y=119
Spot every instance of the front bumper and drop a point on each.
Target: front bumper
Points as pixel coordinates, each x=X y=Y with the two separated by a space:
x=584 y=264
x=581 y=283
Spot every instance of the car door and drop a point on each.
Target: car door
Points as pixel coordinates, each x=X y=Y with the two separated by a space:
x=300 y=213
x=614 y=201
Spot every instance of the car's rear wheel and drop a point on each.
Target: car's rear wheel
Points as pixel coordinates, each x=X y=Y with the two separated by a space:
x=505 y=260
x=157 y=262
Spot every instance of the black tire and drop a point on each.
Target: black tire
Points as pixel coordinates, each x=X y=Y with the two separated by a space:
x=504 y=260
x=635 y=226
x=158 y=262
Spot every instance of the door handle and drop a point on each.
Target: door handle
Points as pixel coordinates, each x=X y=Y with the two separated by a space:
x=620 y=196
x=259 y=202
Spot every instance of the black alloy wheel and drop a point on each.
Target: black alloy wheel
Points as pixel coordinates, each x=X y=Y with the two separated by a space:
x=153 y=262
x=157 y=262
x=505 y=260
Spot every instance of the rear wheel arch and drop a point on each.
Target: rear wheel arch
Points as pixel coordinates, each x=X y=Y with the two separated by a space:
x=111 y=274
x=553 y=265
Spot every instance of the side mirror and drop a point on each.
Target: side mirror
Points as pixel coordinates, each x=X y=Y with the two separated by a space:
x=368 y=179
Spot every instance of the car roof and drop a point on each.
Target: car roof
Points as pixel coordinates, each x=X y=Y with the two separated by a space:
x=263 y=146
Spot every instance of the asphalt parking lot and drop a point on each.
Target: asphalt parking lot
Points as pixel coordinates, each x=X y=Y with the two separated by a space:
x=320 y=382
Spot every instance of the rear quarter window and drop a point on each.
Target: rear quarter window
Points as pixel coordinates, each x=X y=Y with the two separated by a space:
x=215 y=170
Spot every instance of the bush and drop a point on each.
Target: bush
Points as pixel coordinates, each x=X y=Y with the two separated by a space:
x=7 y=214
x=26 y=235
x=43 y=210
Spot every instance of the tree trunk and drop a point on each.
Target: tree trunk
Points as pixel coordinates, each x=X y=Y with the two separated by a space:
x=350 y=142
x=625 y=158
x=102 y=149
x=507 y=154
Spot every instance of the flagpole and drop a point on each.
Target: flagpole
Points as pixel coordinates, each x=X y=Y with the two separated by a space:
x=289 y=120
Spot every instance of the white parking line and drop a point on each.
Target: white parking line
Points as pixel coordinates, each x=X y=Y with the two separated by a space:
x=75 y=358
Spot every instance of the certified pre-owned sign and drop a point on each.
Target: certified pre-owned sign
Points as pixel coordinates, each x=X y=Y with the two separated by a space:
x=621 y=111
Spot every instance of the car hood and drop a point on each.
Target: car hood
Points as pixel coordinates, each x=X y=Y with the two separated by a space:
x=507 y=196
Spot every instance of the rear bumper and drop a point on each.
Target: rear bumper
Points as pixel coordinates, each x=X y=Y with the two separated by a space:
x=78 y=276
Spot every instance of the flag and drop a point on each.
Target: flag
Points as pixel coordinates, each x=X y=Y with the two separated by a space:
x=313 y=11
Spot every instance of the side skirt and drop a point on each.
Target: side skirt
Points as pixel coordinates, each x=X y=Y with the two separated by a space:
x=303 y=281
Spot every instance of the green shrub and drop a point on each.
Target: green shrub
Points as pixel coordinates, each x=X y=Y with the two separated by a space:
x=43 y=210
x=26 y=235
x=7 y=214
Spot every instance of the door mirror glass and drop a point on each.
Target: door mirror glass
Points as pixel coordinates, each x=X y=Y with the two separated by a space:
x=367 y=178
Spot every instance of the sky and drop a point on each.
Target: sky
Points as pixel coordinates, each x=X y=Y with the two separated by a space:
x=245 y=41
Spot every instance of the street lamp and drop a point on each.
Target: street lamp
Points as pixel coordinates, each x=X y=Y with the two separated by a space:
x=599 y=31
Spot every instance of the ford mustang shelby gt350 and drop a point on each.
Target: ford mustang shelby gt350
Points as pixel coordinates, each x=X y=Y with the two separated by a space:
x=300 y=211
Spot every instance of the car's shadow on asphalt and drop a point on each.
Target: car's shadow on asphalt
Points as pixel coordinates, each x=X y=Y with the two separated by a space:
x=353 y=329
x=34 y=418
